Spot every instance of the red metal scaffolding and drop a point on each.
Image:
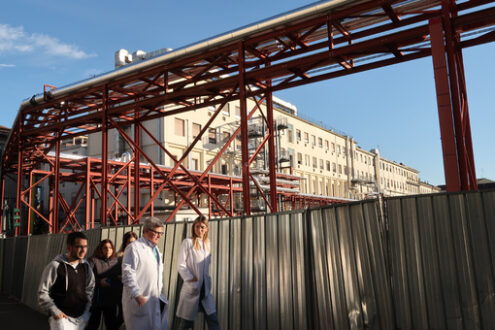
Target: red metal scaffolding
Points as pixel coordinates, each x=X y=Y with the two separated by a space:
x=318 y=42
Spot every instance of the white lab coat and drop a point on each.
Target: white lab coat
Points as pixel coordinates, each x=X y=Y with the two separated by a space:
x=190 y=263
x=142 y=275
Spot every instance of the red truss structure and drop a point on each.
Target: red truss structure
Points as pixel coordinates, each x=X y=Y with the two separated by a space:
x=318 y=42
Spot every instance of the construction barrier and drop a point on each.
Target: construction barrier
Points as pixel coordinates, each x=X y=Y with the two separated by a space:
x=416 y=262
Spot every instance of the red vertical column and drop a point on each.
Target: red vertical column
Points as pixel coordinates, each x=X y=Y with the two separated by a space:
x=129 y=190
x=88 y=193
x=244 y=133
x=137 y=160
x=459 y=98
x=447 y=133
x=56 y=185
x=271 y=147
x=152 y=183
x=30 y=201
x=452 y=107
x=104 y=159
x=209 y=197
x=18 y=203
x=231 y=196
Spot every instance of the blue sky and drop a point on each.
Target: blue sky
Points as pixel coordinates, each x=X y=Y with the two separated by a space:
x=394 y=108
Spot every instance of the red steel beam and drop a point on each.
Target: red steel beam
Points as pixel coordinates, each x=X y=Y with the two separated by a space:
x=244 y=131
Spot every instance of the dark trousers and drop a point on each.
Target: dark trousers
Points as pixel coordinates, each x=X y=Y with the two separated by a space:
x=109 y=317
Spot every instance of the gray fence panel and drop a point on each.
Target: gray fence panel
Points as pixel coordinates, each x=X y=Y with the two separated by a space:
x=94 y=238
x=247 y=274
x=8 y=266
x=414 y=264
x=235 y=274
x=285 y=271
x=429 y=254
x=259 y=273
x=399 y=272
x=379 y=263
x=463 y=257
x=21 y=247
x=353 y=299
x=2 y=267
x=481 y=259
x=363 y=268
x=272 y=274
x=223 y=276
x=447 y=264
x=176 y=233
x=489 y=212
x=38 y=256
x=299 y=265
x=322 y=258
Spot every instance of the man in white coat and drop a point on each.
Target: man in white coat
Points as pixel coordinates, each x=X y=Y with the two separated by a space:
x=143 y=304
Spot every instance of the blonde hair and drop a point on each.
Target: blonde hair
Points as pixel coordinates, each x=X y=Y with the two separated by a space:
x=195 y=239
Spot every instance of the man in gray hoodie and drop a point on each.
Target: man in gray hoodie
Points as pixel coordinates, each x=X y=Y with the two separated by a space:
x=66 y=286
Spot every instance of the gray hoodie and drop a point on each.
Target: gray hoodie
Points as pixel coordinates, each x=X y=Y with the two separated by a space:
x=61 y=289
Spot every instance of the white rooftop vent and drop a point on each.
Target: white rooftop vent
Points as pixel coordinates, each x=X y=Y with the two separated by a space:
x=138 y=55
x=122 y=57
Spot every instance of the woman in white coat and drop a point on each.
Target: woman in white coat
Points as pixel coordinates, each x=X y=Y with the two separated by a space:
x=194 y=267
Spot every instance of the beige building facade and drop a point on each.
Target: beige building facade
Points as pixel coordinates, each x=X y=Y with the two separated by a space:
x=328 y=163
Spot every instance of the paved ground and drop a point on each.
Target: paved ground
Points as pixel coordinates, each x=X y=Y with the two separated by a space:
x=14 y=315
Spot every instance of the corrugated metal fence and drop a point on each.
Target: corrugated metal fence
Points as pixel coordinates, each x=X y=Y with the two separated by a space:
x=411 y=263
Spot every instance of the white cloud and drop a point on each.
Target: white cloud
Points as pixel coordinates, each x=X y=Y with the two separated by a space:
x=6 y=65
x=16 y=40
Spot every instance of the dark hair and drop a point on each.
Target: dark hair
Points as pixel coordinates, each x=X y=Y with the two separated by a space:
x=99 y=249
x=126 y=238
x=71 y=238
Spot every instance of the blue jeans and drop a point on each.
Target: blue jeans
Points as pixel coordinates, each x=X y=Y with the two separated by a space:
x=211 y=320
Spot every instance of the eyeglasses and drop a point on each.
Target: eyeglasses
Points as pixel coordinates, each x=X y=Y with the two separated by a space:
x=159 y=233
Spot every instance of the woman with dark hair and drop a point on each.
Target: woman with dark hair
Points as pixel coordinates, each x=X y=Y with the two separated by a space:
x=193 y=265
x=105 y=267
x=128 y=238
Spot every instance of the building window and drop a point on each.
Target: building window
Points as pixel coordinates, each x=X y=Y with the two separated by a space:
x=340 y=169
x=225 y=136
x=306 y=137
x=195 y=164
x=237 y=111
x=315 y=165
x=224 y=169
x=172 y=161
x=306 y=160
x=328 y=165
x=334 y=167
x=196 y=128
x=321 y=164
x=179 y=127
x=290 y=137
x=313 y=140
x=226 y=109
x=299 y=158
x=320 y=142
x=338 y=149
x=333 y=147
x=298 y=134
x=326 y=144
x=212 y=135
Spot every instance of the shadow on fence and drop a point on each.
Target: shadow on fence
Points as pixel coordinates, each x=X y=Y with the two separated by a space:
x=411 y=262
